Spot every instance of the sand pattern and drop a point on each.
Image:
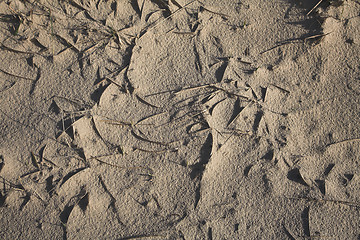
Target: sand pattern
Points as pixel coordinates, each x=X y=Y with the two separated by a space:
x=186 y=119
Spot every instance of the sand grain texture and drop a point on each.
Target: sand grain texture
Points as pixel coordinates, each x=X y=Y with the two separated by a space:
x=146 y=119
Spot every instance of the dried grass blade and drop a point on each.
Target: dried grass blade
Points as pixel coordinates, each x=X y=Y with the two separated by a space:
x=147 y=140
x=314 y=8
x=13 y=75
x=34 y=161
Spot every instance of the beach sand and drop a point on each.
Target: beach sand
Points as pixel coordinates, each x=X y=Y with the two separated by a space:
x=179 y=119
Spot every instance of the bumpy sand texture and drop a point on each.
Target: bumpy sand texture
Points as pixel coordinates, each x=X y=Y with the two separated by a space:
x=156 y=119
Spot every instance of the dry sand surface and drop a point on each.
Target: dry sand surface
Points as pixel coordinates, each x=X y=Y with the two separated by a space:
x=179 y=119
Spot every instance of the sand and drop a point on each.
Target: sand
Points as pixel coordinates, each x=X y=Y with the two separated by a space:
x=179 y=119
